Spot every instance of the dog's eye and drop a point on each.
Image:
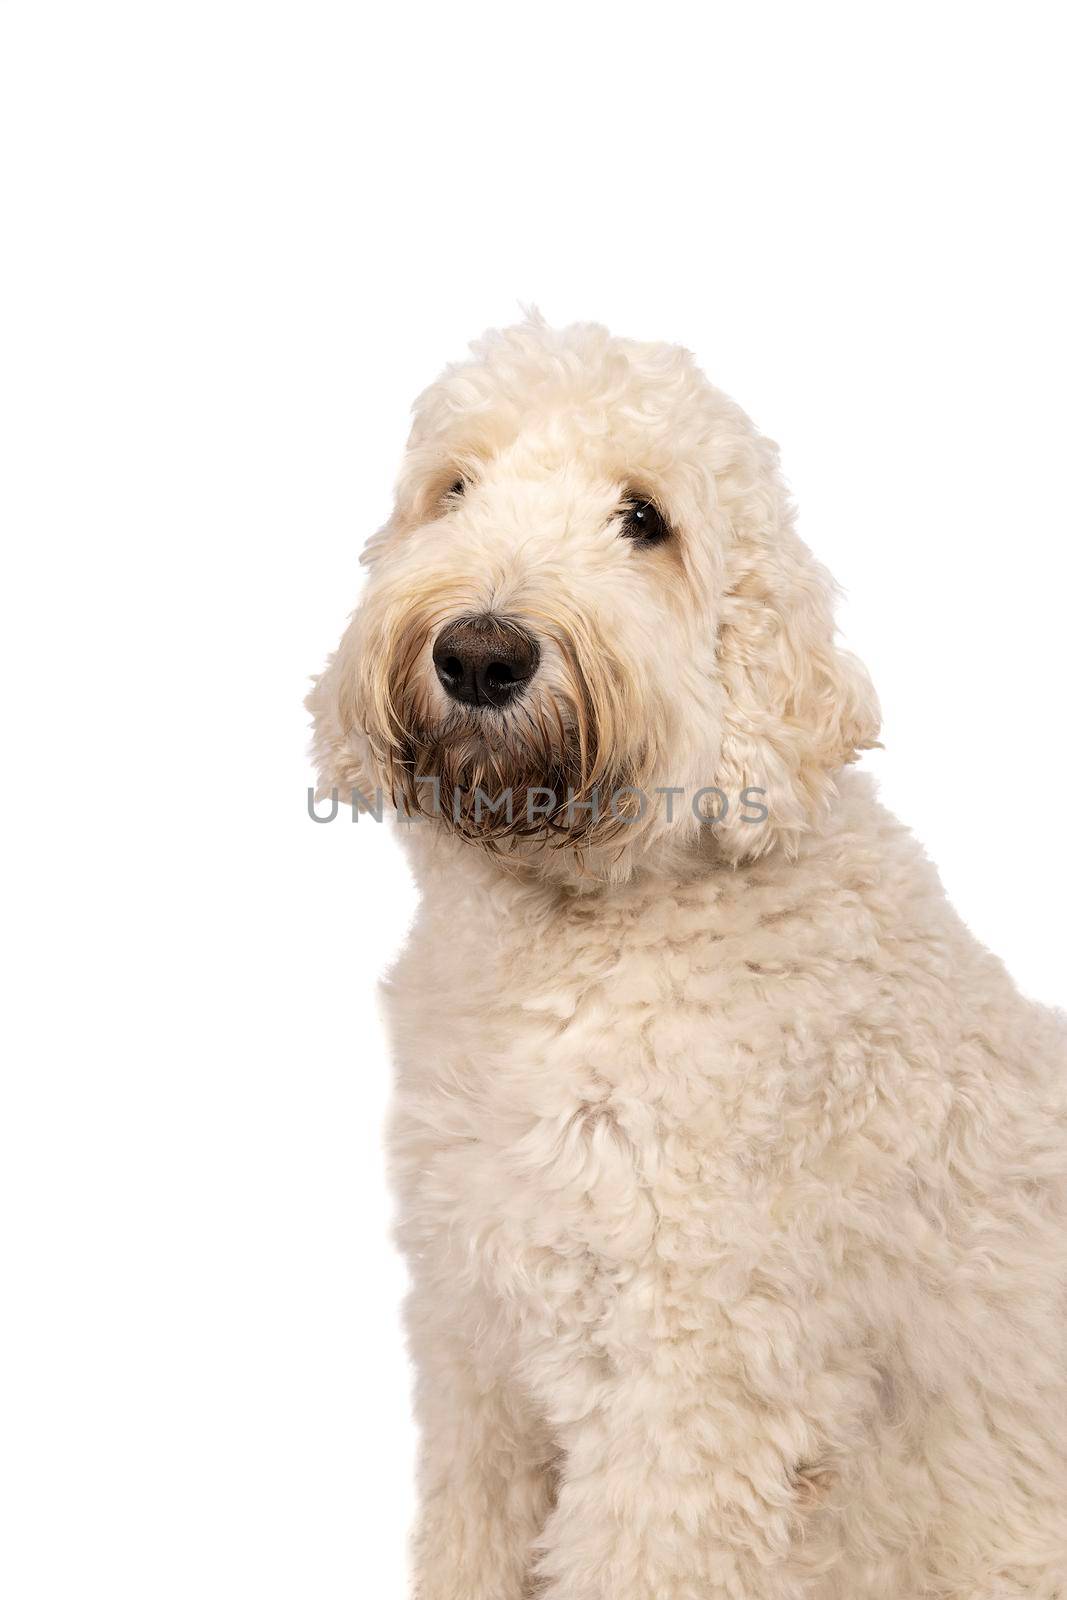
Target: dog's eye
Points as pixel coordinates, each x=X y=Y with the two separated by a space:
x=457 y=488
x=643 y=522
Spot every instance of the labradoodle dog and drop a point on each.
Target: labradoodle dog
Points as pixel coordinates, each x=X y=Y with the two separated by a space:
x=731 y=1170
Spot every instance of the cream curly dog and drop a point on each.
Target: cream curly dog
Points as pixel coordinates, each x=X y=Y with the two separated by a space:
x=731 y=1169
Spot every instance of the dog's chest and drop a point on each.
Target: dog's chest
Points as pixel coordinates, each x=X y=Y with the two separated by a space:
x=563 y=1107
x=511 y=1138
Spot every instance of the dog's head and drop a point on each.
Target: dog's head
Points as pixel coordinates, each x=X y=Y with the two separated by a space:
x=590 y=593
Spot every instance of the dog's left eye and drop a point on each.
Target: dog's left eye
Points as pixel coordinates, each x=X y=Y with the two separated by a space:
x=644 y=522
x=457 y=488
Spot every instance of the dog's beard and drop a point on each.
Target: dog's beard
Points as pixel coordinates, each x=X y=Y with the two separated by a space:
x=490 y=776
x=533 y=771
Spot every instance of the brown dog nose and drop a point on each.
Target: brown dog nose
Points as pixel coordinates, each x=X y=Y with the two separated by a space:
x=485 y=660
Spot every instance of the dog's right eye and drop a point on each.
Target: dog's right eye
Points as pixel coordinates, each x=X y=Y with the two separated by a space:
x=457 y=489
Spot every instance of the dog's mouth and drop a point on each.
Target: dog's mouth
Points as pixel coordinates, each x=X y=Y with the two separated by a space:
x=538 y=768
x=490 y=775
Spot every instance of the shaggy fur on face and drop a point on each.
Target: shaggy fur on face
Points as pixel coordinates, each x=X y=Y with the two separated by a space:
x=703 y=660
x=731 y=1171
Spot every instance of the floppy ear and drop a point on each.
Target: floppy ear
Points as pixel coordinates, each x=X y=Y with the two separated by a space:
x=796 y=708
x=339 y=749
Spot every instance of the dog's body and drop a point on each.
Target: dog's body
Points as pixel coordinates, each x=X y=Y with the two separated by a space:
x=732 y=1171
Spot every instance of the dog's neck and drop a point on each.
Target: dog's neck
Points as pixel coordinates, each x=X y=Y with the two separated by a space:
x=442 y=861
x=555 y=877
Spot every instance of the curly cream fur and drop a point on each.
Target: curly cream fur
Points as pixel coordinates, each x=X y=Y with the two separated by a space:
x=732 y=1172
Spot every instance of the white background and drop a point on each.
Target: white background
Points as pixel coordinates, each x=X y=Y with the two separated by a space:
x=238 y=237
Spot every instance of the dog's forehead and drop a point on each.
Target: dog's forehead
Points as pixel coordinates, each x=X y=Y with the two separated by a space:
x=569 y=444
x=553 y=452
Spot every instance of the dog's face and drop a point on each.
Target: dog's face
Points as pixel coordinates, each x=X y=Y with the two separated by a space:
x=590 y=593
